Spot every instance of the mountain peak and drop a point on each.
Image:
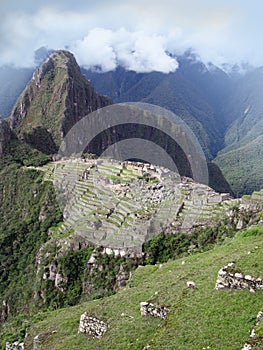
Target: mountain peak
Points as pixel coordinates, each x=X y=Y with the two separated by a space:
x=57 y=97
x=59 y=59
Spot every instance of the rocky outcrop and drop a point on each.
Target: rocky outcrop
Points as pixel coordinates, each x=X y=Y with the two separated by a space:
x=92 y=326
x=5 y=135
x=4 y=311
x=57 y=97
x=121 y=278
x=229 y=278
x=149 y=309
x=48 y=265
x=53 y=275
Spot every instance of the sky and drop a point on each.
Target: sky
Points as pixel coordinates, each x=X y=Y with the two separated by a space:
x=140 y=35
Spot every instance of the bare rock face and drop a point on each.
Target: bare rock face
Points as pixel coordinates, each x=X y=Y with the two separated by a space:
x=57 y=97
x=121 y=278
x=5 y=135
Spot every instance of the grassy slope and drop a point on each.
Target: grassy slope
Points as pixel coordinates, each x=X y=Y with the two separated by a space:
x=198 y=318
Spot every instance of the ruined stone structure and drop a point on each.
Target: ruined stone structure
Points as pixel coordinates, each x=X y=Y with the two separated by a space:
x=147 y=309
x=14 y=346
x=229 y=279
x=248 y=346
x=92 y=326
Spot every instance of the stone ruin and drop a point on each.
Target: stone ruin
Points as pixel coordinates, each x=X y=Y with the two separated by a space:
x=14 y=346
x=248 y=346
x=153 y=310
x=92 y=326
x=229 y=279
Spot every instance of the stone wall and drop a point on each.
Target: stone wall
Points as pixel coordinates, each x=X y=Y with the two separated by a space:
x=14 y=346
x=229 y=278
x=248 y=346
x=92 y=326
x=153 y=310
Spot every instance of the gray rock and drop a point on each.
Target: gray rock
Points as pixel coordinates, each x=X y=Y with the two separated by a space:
x=191 y=284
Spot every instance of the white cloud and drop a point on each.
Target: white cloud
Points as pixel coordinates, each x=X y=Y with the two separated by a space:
x=136 y=34
x=134 y=51
x=96 y=50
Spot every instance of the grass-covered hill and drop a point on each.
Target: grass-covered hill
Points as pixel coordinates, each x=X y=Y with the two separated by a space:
x=200 y=318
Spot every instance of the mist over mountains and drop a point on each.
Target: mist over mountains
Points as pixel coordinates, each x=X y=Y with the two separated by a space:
x=223 y=110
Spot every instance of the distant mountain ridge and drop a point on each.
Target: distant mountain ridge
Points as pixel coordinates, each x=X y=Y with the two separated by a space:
x=223 y=110
x=192 y=92
x=59 y=95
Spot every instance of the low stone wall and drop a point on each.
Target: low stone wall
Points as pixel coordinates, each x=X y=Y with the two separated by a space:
x=154 y=310
x=92 y=326
x=229 y=279
x=248 y=346
x=14 y=346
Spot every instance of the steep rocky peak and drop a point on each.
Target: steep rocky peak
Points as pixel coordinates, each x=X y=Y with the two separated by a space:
x=57 y=60
x=57 y=97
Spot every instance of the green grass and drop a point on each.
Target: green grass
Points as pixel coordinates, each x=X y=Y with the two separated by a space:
x=198 y=318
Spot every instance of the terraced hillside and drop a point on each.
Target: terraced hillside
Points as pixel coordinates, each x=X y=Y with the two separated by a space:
x=123 y=204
